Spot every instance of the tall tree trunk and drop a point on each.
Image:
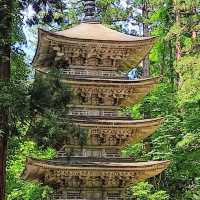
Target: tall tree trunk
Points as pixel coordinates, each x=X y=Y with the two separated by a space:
x=171 y=65
x=146 y=33
x=178 y=44
x=5 y=50
x=194 y=32
x=3 y=154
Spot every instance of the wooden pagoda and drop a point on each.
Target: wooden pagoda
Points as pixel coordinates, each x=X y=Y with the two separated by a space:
x=91 y=55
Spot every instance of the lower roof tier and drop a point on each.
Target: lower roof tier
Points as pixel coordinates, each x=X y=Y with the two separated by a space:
x=91 y=174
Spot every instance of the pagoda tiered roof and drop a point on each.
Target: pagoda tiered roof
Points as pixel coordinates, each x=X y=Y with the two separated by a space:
x=92 y=58
x=126 y=91
x=122 y=131
x=95 y=31
x=129 y=91
x=93 y=39
x=60 y=172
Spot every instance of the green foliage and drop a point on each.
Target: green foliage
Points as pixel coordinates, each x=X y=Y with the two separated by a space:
x=188 y=68
x=135 y=111
x=17 y=189
x=162 y=97
x=133 y=150
x=146 y=191
x=48 y=106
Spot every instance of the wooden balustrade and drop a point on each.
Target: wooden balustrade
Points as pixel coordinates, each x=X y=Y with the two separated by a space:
x=93 y=73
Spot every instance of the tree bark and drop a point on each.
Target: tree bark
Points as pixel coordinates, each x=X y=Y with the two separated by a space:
x=178 y=44
x=146 y=33
x=5 y=51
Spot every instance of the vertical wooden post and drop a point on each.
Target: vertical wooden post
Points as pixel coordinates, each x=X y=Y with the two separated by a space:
x=5 y=50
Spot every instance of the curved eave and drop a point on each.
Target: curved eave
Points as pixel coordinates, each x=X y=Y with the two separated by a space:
x=97 y=32
x=41 y=36
x=101 y=81
x=140 y=129
x=37 y=170
x=119 y=123
x=107 y=82
x=134 y=42
x=112 y=82
x=51 y=36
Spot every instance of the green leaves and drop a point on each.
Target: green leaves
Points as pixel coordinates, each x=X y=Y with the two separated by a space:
x=189 y=70
x=133 y=150
x=17 y=189
x=146 y=191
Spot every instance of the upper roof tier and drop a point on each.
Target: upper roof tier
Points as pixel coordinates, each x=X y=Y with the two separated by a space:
x=89 y=41
x=99 y=32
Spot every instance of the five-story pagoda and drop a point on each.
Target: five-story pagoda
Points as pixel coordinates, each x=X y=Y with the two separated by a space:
x=91 y=56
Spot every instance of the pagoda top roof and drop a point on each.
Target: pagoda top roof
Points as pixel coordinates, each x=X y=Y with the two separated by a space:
x=99 y=32
x=130 y=49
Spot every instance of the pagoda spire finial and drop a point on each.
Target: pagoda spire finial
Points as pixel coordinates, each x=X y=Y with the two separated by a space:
x=89 y=11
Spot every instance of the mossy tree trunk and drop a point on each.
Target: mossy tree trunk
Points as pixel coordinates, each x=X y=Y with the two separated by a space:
x=5 y=50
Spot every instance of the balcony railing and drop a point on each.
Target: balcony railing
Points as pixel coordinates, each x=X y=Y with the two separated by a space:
x=93 y=73
x=96 y=113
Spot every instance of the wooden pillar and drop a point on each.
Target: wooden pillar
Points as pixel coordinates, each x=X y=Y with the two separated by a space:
x=5 y=49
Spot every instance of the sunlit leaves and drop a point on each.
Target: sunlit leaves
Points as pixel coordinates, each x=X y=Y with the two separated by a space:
x=189 y=69
x=17 y=189
x=145 y=191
